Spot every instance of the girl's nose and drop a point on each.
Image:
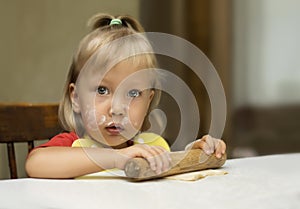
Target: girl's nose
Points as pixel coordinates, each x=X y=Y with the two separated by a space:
x=117 y=110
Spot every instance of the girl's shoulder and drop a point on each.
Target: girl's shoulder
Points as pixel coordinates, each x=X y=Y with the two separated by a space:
x=151 y=139
x=62 y=139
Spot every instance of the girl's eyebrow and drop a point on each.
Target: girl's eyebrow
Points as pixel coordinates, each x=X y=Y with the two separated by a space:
x=103 y=81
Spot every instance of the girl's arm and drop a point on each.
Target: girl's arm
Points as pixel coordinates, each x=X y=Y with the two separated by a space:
x=70 y=162
x=62 y=162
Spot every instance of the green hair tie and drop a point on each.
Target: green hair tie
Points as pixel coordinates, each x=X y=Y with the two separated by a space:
x=115 y=22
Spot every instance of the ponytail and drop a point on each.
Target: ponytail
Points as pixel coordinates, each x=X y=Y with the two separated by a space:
x=104 y=20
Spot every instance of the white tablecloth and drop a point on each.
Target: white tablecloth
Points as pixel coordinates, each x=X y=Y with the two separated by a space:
x=260 y=182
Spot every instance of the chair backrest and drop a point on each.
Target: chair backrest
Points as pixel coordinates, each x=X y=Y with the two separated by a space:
x=26 y=123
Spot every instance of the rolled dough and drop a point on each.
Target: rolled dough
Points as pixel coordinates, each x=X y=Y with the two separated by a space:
x=194 y=176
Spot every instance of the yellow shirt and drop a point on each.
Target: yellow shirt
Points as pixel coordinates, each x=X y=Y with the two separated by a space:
x=143 y=138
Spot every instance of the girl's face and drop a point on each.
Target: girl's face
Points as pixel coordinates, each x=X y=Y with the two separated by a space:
x=113 y=109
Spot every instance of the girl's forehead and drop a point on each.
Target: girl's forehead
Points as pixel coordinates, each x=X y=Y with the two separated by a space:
x=125 y=71
x=112 y=66
x=128 y=70
x=127 y=66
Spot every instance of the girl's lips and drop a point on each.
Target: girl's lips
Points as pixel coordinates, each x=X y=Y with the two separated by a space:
x=114 y=129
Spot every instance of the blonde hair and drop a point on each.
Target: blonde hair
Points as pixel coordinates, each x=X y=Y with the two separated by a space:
x=103 y=34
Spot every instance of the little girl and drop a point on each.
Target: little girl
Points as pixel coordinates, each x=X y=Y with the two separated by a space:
x=108 y=95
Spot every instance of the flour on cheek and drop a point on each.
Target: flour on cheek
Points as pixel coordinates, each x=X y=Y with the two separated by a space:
x=91 y=120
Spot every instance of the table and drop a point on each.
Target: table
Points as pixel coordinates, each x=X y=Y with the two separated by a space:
x=256 y=183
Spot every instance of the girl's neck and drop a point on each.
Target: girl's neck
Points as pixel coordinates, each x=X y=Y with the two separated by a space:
x=120 y=146
x=124 y=145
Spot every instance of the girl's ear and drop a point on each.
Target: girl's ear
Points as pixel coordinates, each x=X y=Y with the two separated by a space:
x=74 y=98
x=152 y=93
x=151 y=96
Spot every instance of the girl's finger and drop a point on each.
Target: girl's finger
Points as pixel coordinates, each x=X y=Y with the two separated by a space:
x=220 y=148
x=165 y=158
x=157 y=159
x=198 y=144
x=210 y=142
x=161 y=159
x=202 y=144
x=223 y=145
x=148 y=154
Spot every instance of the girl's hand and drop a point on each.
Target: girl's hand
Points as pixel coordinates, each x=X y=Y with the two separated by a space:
x=209 y=145
x=158 y=158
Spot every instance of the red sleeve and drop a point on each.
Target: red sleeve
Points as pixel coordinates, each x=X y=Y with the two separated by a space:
x=64 y=140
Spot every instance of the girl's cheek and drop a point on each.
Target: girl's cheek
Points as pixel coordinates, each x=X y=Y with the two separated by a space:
x=125 y=121
x=101 y=120
x=92 y=120
x=136 y=119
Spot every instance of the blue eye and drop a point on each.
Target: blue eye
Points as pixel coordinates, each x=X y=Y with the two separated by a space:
x=102 y=90
x=134 y=93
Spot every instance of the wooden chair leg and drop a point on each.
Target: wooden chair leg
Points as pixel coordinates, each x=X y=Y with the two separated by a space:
x=30 y=145
x=12 y=160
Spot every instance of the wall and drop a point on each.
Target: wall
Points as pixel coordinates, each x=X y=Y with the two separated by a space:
x=266 y=77
x=37 y=40
x=206 y=24
x=266 y=45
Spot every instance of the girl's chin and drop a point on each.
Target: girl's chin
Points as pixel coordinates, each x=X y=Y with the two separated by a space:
x=119 y=146
x=115 y=142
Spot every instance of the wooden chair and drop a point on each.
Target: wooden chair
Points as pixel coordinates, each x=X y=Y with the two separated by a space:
x=26 y=123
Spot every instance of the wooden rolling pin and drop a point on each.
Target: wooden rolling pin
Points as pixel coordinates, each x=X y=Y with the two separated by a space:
x=138 y=169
